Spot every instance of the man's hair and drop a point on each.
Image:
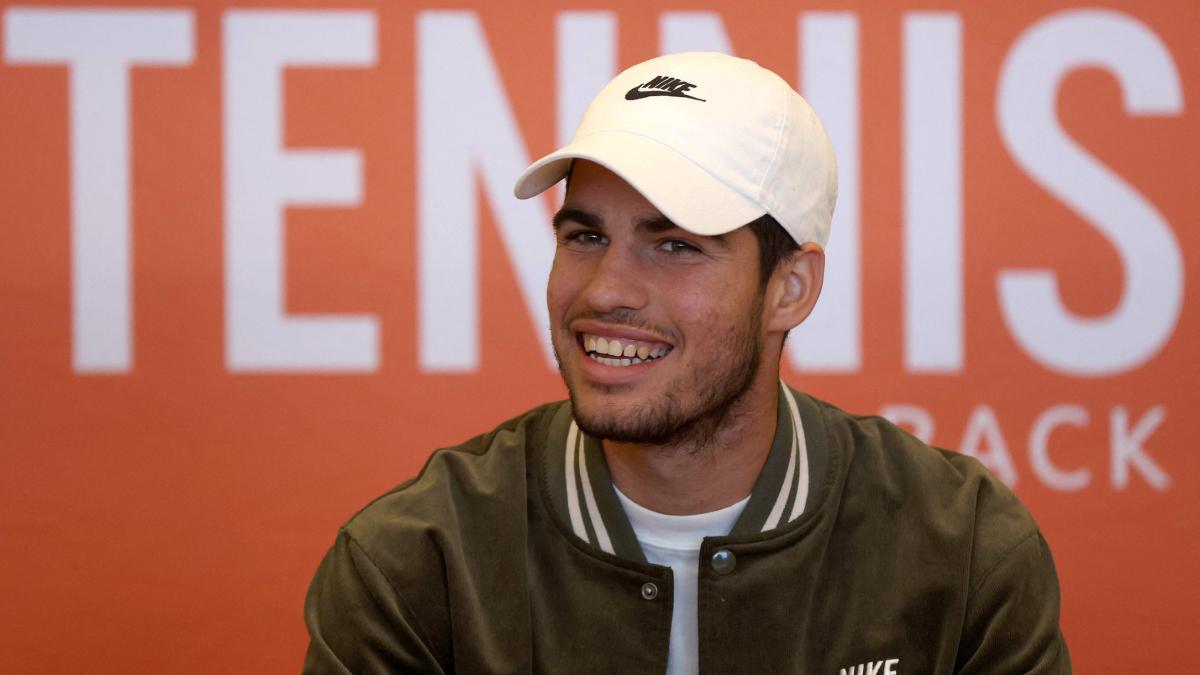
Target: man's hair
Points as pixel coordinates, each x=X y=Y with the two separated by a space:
x=774 y=244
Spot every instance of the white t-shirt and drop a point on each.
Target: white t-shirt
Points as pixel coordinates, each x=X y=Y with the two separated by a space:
x=674 y=541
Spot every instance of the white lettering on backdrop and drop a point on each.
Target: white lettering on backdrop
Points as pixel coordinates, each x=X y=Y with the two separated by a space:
x=466 y=136
x=262 y=178
x=1026 y=101
x=99 y=47
x=464 y=145
x=984 y=439
x=933 y=228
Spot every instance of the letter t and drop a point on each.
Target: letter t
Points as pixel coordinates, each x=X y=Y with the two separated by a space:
x=99 y=46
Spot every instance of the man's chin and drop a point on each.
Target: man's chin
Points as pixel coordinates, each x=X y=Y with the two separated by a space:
x=637 y=421
x=598 y=410
x=627 y=412
x=616 y=429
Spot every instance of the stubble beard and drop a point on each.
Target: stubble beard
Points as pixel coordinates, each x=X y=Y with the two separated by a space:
x=695 y=409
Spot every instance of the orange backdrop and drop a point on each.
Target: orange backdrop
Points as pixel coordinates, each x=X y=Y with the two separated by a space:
x=221 y=337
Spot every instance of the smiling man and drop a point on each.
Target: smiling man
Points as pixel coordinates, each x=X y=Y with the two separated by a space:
x=686 y=511
x=662 y=338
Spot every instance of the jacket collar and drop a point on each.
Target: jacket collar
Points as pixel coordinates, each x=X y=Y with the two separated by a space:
x=581 y=487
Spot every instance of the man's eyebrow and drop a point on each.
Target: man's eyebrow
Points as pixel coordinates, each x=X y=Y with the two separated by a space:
x=577 y=216
x=655 y=225
x=660 y=224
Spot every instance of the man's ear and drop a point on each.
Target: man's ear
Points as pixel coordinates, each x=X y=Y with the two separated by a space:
x=794 y=287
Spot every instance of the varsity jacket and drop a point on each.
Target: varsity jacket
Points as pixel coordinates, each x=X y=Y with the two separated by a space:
x=861 y=551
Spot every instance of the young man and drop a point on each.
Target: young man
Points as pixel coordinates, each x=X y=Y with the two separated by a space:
x=686 y=511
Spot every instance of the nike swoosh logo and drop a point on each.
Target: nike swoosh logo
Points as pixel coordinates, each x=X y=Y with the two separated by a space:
x=637 y=92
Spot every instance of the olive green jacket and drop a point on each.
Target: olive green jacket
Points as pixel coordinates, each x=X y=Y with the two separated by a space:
x=861 y=551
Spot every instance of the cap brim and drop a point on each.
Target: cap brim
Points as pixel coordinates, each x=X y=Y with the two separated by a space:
x=684 y=193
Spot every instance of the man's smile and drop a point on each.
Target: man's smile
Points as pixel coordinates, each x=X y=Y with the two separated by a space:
x=618 y=345
x=608 y=348
x=621 y=352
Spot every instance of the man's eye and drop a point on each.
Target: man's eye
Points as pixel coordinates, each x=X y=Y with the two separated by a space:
x=584 y=238
x=677 y=246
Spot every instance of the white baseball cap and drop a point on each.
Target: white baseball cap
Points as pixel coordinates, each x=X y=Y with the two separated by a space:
x=711 y=140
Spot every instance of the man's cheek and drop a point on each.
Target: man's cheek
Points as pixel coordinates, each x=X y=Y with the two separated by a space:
x=711 y=316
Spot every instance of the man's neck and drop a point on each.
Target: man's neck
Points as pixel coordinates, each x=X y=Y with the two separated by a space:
x=687 y=479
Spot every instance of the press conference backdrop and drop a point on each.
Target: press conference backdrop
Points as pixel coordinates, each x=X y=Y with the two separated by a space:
x=258 y=260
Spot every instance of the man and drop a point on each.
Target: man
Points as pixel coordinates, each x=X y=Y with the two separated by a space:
x=686 y=511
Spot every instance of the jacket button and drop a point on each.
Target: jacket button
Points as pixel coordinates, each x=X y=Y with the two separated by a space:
x=649 y=591
x=723 y=562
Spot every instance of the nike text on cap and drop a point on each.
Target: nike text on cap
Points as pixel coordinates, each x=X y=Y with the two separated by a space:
x=712 y=141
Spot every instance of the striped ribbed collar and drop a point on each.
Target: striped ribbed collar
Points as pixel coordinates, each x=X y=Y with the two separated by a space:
x=581 y=487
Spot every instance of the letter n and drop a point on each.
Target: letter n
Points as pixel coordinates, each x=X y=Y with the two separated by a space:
x=468 y=138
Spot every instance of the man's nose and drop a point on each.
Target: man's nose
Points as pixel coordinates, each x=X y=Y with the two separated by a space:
x=616 y=282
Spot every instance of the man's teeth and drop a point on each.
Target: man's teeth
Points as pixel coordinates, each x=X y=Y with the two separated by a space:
x=626 y=353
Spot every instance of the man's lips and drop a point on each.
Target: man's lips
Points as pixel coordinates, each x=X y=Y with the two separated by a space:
x=608 y=348
x=618 y=331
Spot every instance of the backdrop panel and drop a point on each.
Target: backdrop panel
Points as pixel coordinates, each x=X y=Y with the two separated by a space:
x=260 y=259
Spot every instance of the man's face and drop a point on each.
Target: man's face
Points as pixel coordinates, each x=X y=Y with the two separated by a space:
x=657 y=330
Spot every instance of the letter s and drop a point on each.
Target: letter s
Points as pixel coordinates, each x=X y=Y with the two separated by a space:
x=1150 y=256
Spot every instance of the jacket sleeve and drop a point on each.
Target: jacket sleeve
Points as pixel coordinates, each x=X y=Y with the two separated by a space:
x=357 y=622
x=1012 y=616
